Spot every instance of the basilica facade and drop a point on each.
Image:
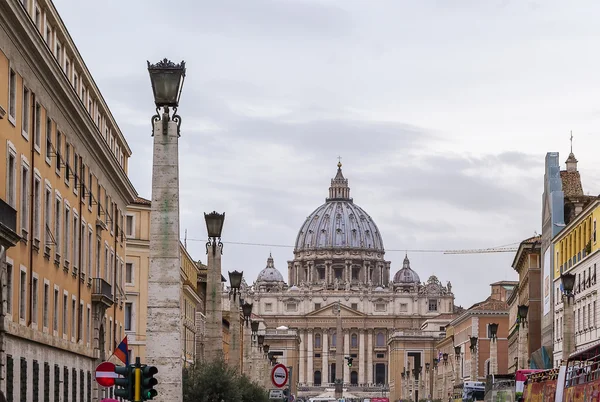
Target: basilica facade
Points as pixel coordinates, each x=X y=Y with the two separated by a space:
x=387 y=323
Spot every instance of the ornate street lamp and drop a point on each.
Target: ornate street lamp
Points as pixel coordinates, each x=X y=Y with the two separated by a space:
x=445 y=357
x=235 y=281
x=473 y=340
x=247 y=311
x=427 y=365
x=568 y=282
x=260 y=339
x=523 y=309
x=457 y=352
x=266 y=349
x=402 y=374
x=254 y=327
x=214 y=227
x=493 y=330
x=167 y=82
x=435 y=363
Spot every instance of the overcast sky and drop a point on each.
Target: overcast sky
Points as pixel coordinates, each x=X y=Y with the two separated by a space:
x=442 y=112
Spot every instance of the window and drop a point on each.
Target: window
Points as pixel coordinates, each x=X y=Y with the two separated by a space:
x=84 y=247
x=129 y=226
x=58 y=151
x=354 y=341
x=37 y=208
x=403 y=307
x=46 y=305
x=73 y=315
x=79 y=334
x=11 y=176
x=65 y=315
x=106 y=258
x=98 y=254
x=291 y=306
x=89 y=325
x=23 y=295
x=67 y=163
x=317 y=341
x=24 y=212
x=75 y=82
x=67 y=242
x=75 y=243
x=48 y=139
x=38 y=19
x=333 y=339
x=47 y=219
x=128 y=316
x=75 y=173
x=594 y=232
x=380 y=306
x=34 y=301
x=268 y=306
x=12 y=96
x=90 y=252
x=90 y=195
x=433 y=305
x=55 y=316
x=25 y=115
x=129 y=273
x=317 y=306
x=380 y=340
x=9 y=287
x=37 y=129
x=354 y=306
x=49 y=35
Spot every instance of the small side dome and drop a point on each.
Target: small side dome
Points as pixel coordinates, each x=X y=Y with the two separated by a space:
x=270 y=274
x=378 y=289
x=406 y=276
x=294 y=289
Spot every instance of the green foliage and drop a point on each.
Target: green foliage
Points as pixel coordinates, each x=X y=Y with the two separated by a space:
x=218 y=382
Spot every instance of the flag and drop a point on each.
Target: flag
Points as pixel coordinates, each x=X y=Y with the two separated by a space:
x=121 y=352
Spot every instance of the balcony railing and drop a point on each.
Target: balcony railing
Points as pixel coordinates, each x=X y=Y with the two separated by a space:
x=102 y=292
x=8 y=216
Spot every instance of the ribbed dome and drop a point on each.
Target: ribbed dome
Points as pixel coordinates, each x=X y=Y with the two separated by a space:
x=270 y=273
x=406 y=275
x=339 y=223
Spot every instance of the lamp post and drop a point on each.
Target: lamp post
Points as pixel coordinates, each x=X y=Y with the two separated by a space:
x=568 y=346
x=435 y=375
x=494 y=348
x=163 y=331
x=473 y=348
x=235 y=346
x=214 y=314
x=427 y=381
x=522 y=349
x=445 y=368
x=457 y=354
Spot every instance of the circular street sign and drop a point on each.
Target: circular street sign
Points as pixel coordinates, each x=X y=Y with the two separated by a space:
x=279 y=375
x=105 y=374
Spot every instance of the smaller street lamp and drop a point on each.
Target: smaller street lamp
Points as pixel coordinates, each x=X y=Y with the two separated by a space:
x=247 y=311
x=435 y=363
x=254 y=327
x=473 y=340
x=235 y=281
x=457 y=352
x=523 y=309
x=260 y=339
x=403 y=375
x=568 y=282
x=493 y=330
x=266 y=349
x=214 y=227
x=427 y=367
x=445 y=357
x=167 y=82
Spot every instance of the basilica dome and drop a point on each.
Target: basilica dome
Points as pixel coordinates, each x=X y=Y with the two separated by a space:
x=339 y=223
x=406 y=276
x=270 y=274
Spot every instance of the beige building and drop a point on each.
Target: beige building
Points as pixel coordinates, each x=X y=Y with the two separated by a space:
x=65 y=188
x=137 y=231
x=339 y=258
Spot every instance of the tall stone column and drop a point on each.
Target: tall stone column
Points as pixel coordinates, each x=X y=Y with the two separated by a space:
x=325 y=358
x=370 y=357
x=163 y=329
x=524 y=355
x=346 y=354
x=494 y=356
x=474 y=364
x=361 y=356
x=302 y=358
x=214 y=313
x=568 y=345
x=339 y=355
x=236 y=336
x=444 y=388
x=247 y=363
x=310 y=372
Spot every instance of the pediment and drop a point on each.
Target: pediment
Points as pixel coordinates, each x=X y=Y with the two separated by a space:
x=328 y=311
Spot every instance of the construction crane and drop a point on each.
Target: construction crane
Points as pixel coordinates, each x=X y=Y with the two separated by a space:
x=483 y=250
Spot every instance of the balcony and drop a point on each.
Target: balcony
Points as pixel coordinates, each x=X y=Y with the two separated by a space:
x=102 y=292
x=8 y=225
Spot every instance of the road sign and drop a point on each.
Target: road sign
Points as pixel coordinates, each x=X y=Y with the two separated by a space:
x=105 y=374
x=275 y=394
x=279 y=375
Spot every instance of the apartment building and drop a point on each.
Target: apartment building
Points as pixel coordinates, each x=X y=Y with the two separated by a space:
x=137 y=231
x=64 y=164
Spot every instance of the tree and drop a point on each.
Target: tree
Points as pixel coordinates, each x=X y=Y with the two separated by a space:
x=218 y=382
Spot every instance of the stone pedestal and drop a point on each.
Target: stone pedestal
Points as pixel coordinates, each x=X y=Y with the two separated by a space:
x=163 y=331
x=235 y=343
x=474 y=364
x=213 y=338
x=568 y=345
x=494 y=356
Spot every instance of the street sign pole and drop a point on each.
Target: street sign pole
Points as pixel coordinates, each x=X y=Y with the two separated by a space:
x=290 y=378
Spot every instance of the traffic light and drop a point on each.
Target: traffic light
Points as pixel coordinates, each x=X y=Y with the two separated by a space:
x=349 y=359
x=124 y=386
x=148 y=382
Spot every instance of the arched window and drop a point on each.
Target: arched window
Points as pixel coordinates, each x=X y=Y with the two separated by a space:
x=380 y=339
x=354 y=341
x=354 y=378
x=317 y=378
x=317 y=340
x=333 y=338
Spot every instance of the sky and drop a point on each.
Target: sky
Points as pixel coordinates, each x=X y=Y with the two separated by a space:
x=442 y=112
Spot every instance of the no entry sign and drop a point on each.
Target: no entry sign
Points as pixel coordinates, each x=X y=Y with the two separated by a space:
x=279 y=375
x=105 y=374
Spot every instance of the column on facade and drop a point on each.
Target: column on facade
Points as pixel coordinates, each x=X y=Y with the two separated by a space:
x=370 y=357
x=346 y=354
x=310 y=373
x=474 y=364
x=361 y=356
x=325 y=357
x=302 y=357
x=493 y=356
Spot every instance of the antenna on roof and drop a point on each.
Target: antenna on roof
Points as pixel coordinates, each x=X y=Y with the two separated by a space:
x=571 y=141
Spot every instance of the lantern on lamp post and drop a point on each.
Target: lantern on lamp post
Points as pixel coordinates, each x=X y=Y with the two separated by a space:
x=214 y=227
x=235 y=281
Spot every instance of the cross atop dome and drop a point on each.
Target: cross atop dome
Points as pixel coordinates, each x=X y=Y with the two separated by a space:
x=339 y=189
